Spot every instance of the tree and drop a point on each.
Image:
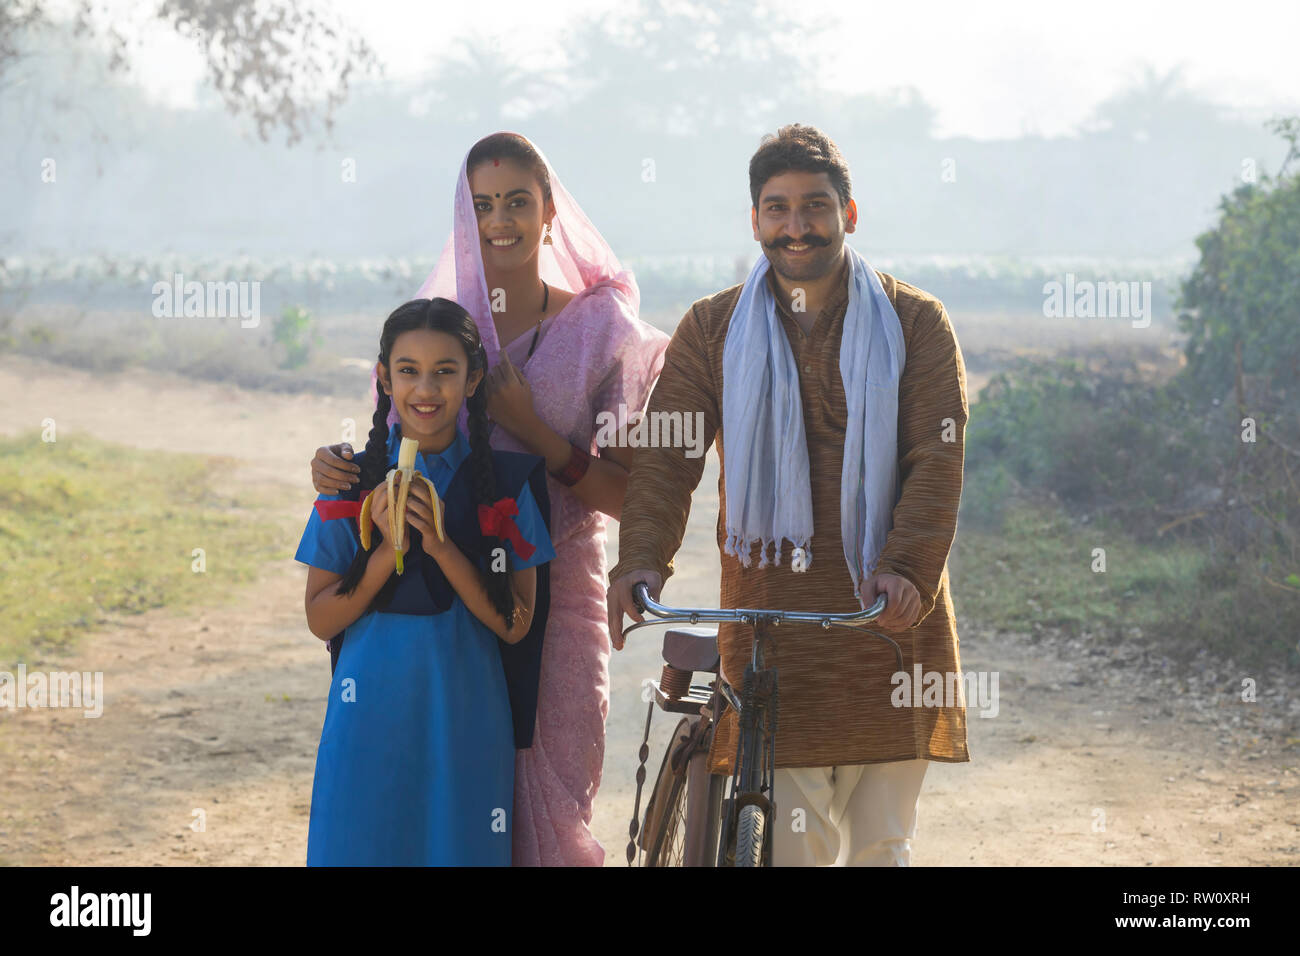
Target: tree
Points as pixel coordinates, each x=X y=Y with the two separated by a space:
x=689 y=68
x=1156 y=107
x=481 y=84
x=281 y=62
x=1239 y=310
x=1239 y=305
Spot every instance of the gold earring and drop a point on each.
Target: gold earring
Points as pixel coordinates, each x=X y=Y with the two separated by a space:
x=546 y=240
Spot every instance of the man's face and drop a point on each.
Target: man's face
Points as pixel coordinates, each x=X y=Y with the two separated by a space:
x=801 y=224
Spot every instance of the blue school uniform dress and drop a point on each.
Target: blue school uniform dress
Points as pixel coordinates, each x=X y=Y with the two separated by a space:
x=427 y=705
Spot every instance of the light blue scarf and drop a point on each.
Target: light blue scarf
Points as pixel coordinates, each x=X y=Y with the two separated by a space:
x=769 y=497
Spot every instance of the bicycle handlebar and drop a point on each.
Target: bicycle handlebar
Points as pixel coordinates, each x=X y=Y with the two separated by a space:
x=672 y=615
x=644 y=602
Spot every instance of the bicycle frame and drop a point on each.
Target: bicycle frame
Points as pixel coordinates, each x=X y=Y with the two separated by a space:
x=756 y=708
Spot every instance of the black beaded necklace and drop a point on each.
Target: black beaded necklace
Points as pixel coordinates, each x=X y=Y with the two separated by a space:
x=546 y=297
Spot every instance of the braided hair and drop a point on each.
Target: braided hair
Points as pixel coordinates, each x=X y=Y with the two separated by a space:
x=439 y=315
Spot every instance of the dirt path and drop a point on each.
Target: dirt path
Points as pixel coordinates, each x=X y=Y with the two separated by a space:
x=220 y=713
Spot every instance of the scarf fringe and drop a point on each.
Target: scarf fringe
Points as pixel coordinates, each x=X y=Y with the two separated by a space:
x=740 y=547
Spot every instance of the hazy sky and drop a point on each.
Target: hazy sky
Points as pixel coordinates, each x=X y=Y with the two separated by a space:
x=996 y=69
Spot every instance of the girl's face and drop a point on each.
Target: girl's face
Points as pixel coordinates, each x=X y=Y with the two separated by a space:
x=512 y=215
x=429 y=383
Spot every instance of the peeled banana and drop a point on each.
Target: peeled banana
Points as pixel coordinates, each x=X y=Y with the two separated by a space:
x=399 y=488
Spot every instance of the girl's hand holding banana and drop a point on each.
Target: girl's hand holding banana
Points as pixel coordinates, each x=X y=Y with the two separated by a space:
x=397 y=492
x=379 y=513
x=420 y=512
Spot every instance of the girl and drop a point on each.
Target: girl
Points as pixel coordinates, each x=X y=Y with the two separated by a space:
x=567 y=352
x=436 y=672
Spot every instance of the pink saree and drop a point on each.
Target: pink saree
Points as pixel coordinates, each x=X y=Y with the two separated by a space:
x=594 y=356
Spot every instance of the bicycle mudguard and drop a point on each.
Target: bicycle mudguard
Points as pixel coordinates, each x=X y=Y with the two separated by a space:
x=424 y=589
x=756 y=798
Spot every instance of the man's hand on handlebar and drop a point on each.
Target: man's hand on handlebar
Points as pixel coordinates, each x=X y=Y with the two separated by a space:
x=903 y=603
x=619 y=601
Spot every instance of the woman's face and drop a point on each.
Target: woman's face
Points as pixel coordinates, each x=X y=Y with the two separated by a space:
x=512 y=215
x=430 y=381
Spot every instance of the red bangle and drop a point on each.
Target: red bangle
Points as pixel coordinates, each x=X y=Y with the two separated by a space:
x=572 y=472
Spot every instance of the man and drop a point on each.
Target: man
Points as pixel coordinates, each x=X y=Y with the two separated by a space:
x=859 y=489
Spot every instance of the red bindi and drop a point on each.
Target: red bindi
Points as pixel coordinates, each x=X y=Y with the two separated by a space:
x=496 y=162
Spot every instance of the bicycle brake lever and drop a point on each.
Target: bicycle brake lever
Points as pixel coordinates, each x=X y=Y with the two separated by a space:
x=898 y=651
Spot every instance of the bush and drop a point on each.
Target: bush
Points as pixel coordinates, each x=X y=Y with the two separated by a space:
x=294 y=333
x=1091 y=435
x=1152 y=470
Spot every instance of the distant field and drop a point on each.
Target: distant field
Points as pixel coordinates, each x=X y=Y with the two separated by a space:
x=345 y=343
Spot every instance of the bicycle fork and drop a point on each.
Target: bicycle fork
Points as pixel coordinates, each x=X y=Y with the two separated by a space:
x=751 y=779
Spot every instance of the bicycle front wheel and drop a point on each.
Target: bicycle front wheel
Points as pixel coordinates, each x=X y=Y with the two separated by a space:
x=750 y=829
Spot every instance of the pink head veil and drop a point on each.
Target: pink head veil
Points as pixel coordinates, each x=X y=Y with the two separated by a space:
x=578 y=260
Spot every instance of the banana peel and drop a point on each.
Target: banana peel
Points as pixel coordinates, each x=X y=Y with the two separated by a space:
x=398 y=483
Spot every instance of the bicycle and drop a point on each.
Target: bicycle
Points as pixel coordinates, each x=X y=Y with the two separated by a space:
x=686 y=822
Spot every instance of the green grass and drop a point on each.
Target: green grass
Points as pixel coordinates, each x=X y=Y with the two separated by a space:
x=90 y=530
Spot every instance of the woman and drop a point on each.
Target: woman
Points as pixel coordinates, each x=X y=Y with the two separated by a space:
x=558 y=318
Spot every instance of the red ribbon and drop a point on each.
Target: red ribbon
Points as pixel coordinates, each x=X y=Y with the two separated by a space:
x=329 y=510
x=495 y=521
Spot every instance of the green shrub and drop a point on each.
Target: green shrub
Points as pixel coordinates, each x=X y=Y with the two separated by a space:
x=294 y=333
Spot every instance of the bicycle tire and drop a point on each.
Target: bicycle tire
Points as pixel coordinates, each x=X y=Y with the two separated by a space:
x=663 y=830
x=749 y=835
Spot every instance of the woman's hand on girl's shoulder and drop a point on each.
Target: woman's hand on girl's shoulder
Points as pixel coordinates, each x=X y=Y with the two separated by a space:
x=331 y=472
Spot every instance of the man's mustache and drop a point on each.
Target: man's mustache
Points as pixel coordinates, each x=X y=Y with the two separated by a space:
x=808 y=240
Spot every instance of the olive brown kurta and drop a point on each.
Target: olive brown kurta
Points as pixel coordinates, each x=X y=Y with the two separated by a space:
x=834 y=686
